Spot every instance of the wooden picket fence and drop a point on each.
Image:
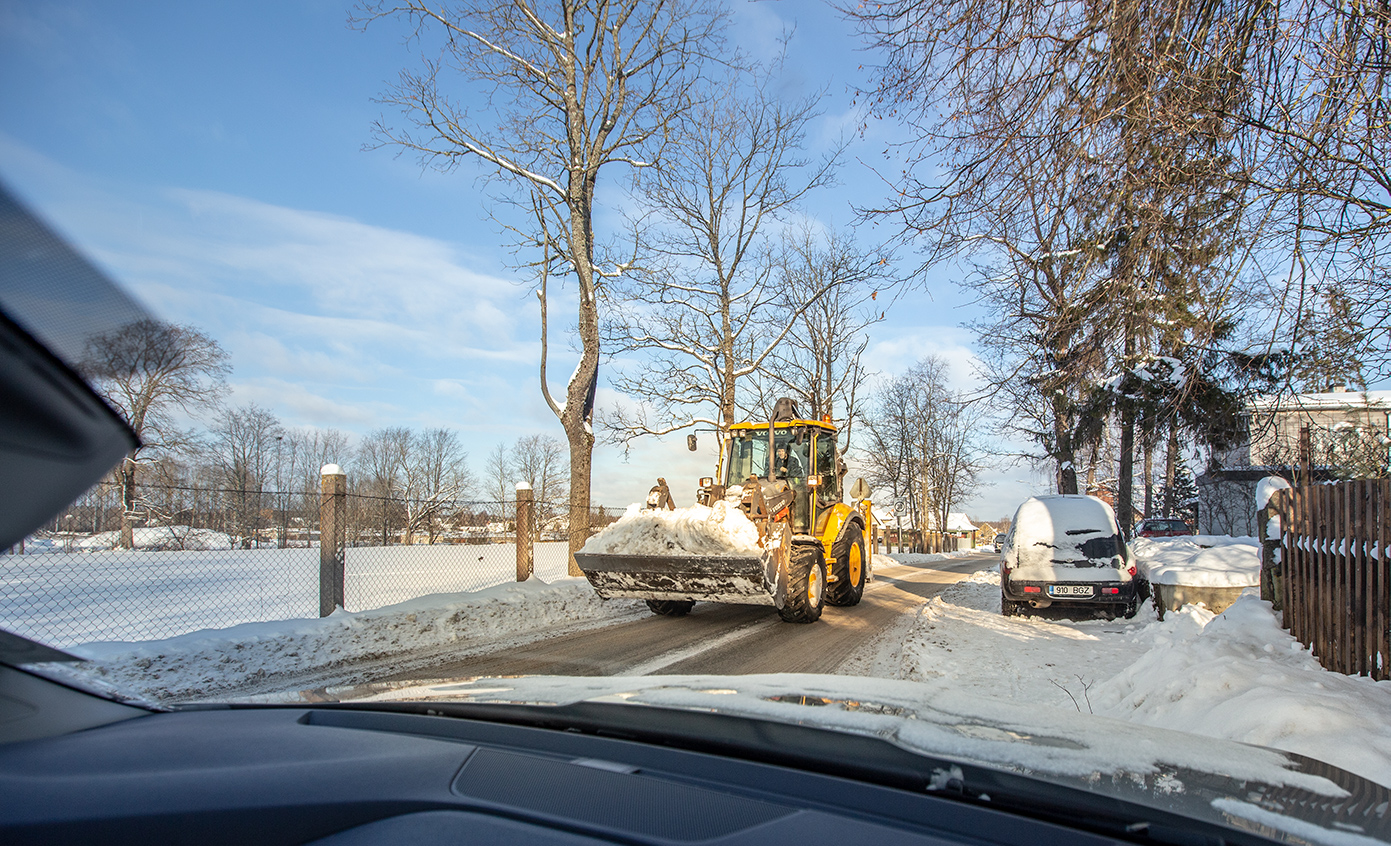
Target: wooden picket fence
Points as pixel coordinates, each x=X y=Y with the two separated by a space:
x=1334 y=569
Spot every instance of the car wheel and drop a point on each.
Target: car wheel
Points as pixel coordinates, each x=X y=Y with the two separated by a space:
x=1009 y=607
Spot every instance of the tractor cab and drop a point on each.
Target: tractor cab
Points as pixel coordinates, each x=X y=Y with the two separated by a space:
x=799 y=459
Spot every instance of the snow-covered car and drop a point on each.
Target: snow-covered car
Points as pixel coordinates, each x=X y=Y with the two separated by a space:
x=1163 y=527
x=1067 y=550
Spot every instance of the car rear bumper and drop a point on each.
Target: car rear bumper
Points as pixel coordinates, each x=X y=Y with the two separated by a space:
x=1125 y=593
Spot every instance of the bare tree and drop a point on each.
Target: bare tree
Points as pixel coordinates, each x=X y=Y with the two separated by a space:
x=1123 y=102
x=379 y=475
x=578 y=89
x=923 y=444
x=243 y=446
x=147 y=370
x=497 y=471
x=538 y=461
x=818 y=363
x=712 y=307
x=435 y=473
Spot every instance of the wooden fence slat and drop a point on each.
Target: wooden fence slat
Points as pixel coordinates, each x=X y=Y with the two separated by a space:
x=1362 y=571
x=1383 y=589
x=1327 y=585
x=1316 y=588
x=1343 y=613
x=1297 y=595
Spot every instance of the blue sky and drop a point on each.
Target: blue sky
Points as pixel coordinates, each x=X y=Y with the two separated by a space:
x=210 y=156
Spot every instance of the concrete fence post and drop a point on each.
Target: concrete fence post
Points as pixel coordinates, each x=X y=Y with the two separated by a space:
x=526 y=518
x=333 y=540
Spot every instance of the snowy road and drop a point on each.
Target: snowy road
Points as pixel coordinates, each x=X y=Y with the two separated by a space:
x=731 y=639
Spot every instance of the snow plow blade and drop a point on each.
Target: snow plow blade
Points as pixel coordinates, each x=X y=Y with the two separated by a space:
x=741 y=579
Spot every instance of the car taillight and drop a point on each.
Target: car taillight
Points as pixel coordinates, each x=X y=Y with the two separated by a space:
x=1131 y=571
x=1110 y=590
x=1032 y=589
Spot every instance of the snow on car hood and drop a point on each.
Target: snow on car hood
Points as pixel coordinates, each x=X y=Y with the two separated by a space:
x=918 y=716
x=1235 y=784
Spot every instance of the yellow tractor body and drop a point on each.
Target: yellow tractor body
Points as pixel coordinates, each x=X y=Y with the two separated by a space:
x=786 y=475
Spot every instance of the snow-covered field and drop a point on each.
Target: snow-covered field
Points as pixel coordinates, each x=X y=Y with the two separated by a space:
x=1236 y=675
x=66 y=598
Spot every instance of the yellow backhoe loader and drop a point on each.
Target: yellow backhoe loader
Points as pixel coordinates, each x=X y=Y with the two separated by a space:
x=786 y=475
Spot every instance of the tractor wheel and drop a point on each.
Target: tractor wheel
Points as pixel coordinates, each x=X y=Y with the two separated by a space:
x=806 y=584
x=671 y=607
x=850 y=568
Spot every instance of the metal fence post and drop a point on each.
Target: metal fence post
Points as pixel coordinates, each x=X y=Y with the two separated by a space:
x=526 y=516
x=333 y=512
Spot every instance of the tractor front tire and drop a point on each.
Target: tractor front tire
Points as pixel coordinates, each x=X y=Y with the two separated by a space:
x=806 y=584
x=850 y=568
x=671 y=607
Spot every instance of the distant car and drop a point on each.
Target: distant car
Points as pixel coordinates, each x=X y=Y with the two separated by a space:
x=1067 y=550
x=1163 y=528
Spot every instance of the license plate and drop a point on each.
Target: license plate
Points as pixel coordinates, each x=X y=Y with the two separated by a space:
x=1071 y=590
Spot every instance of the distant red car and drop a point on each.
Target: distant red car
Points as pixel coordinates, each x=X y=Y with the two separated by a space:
x=1163 y=528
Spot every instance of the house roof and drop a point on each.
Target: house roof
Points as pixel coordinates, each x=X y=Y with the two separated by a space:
x=1331 y=400
x=957 y=521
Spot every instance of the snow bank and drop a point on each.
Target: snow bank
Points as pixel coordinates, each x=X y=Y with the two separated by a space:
x=249 y=656
x=1236 y=676
x=698 y=530
x=1199 y=560
x=1239 y=676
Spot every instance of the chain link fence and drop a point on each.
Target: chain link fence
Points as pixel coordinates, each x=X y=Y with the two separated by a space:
x=187 y=558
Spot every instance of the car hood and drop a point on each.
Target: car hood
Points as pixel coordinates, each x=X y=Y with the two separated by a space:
x=1249 y=787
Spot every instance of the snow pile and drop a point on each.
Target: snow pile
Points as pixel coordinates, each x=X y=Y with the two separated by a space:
x=160 y=537
x=1239 y=676
x=1236 y=675
x=256 y=657
x=1267 y=487
x=699 y=530
x=1199 y=560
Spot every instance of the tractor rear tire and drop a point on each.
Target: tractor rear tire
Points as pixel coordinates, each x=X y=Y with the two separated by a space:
x=806 y=584
x=850 y=568
x=671 y=607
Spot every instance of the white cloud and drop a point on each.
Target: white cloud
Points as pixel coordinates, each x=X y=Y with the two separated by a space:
x=899 y=347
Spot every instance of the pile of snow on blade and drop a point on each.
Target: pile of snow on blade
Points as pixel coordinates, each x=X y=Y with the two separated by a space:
x=699 y=530
x=1215 y=561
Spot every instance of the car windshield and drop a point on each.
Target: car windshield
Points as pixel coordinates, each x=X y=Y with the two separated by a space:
x=447 y=343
